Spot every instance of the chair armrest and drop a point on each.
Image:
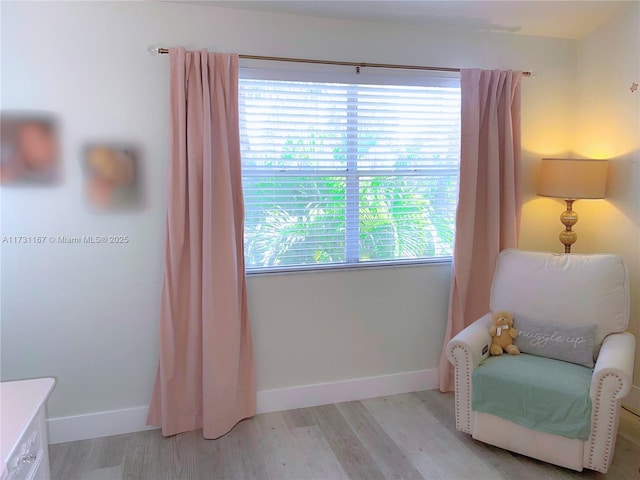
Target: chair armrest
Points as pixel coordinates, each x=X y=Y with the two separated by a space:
x=611 y=382
x=473 y=341
x=616 y=359
x=465 y=351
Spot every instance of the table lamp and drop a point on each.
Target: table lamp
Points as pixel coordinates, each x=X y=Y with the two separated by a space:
x=571 y=179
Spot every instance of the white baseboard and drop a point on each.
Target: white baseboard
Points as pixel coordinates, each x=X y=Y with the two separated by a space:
x=99 y=424
x=633 y=400
x=116 y=422
x=346 y=391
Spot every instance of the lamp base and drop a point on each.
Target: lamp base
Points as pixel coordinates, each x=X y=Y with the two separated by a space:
x=568 y=218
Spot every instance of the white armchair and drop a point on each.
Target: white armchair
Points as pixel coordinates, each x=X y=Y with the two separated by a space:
x=572 y=290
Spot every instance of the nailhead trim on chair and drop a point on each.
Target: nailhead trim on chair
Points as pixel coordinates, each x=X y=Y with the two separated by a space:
x=459 y=388
x=603 y=463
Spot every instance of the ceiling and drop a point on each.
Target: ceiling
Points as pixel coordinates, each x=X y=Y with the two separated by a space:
x=566 y=19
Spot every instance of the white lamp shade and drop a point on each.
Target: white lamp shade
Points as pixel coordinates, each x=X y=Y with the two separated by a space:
x=572 y=178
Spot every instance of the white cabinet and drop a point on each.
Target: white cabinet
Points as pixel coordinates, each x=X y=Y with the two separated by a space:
x=24 y=439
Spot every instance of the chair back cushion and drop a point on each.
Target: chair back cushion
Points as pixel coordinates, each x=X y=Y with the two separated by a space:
x=568 y=289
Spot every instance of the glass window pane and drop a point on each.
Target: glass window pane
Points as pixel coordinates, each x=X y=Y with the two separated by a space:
x=345 y=173
x=294 y=221
x=407 y=217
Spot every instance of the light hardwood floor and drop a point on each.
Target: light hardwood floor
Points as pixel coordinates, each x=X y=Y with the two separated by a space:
x=408 y=436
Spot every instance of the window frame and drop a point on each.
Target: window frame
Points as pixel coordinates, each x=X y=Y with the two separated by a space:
x=352 y=173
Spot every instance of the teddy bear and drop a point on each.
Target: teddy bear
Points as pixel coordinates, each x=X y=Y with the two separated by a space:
x=502 y=334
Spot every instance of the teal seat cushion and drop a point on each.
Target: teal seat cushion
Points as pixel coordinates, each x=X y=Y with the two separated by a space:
x=536 y=392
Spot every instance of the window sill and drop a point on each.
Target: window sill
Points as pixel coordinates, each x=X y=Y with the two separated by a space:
x=350 y=266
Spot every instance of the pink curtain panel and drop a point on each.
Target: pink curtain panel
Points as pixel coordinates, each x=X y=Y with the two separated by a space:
x=205 y=377
x=489 y=203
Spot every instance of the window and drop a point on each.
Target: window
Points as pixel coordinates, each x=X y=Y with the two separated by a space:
x=348 y=174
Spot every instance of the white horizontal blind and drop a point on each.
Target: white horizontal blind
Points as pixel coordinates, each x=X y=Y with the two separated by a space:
x=346 y=173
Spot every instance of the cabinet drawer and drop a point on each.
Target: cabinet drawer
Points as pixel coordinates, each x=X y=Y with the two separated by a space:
x=27 y=455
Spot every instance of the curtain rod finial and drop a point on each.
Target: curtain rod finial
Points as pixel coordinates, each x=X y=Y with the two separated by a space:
x=156 y=49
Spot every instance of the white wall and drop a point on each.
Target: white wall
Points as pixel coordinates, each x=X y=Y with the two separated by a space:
x=88 y=314
x=605 y=124
x=608 y=126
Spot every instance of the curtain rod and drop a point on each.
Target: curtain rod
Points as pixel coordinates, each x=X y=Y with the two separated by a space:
x=358 y=65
